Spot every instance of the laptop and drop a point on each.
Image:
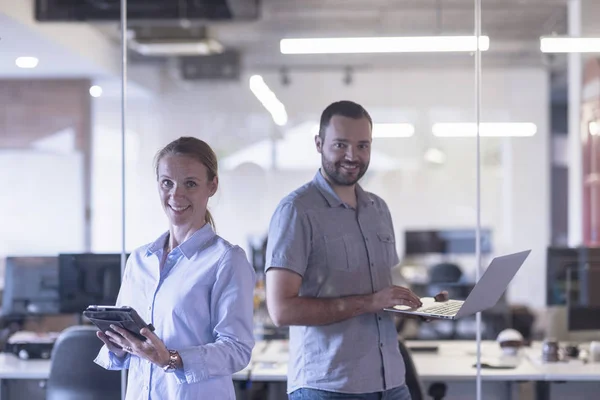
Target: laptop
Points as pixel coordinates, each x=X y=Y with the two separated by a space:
x=484 y=295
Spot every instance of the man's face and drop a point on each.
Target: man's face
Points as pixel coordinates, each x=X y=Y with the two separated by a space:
x=345 y=149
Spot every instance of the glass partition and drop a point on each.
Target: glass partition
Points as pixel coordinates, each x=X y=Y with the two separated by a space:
x=471 y=121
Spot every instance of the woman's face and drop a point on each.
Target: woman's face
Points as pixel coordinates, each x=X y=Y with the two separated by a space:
x=184 y=189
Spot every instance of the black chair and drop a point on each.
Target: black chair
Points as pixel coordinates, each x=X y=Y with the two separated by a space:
x=73 y=373
x=437 y=390
x=412 y=378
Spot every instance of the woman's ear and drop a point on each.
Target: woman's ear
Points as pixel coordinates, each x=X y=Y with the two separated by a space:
x=214 y=185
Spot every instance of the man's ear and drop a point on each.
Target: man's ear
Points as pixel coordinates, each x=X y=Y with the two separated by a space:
x=319 y=143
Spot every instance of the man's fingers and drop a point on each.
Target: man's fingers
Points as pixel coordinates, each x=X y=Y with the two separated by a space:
x=406 y=293
x=407 y=302
x=442 y=296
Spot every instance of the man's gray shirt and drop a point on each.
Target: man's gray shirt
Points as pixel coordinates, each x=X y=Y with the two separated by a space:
x=339 y=251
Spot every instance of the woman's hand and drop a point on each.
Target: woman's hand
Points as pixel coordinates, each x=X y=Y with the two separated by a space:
x=151 y=349
x=119 y=352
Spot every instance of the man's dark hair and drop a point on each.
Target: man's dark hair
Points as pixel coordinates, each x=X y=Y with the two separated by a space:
x=344 y=108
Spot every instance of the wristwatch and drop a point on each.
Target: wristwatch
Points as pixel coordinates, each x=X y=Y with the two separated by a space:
x=174 y=358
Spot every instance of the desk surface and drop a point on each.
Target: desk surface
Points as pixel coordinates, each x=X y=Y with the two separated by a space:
x=452 y=362
x=12 y=367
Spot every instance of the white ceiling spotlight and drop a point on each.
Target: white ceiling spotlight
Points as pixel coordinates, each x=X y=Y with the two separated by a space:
x=491 y=129
x=268 y=99
x=95 y=91
x=417 y=44
x=27 y=62
x=568 y=44
x=434 y=155
x=594 y=128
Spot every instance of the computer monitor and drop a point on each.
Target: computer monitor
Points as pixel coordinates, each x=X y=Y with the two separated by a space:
x=445 y=241
x=560 y=261
x=30 y=286
x=87 y=279
x=583 y=308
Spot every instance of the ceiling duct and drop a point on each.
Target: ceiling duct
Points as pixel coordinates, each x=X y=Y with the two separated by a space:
x=172 y=41
x=146 y=10
x=224 y=66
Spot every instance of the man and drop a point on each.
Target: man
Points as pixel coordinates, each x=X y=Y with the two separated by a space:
x=330 y=250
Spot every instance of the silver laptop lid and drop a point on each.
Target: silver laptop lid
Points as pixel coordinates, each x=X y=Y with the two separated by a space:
x=493 y=283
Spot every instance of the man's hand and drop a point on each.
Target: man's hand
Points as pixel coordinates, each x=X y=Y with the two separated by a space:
x=394 y=296
x=151 y=349
x=440 y=297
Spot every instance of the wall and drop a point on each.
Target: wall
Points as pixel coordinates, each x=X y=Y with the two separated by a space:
x=515 y=178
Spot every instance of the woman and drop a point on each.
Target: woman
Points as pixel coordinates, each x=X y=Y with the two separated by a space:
x=192 y=285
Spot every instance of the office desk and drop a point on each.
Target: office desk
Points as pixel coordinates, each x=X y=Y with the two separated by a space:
x=12 y=367
x=453 y=361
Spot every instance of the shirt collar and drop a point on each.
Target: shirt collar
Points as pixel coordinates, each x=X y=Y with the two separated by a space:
x=187 y=248
x=362 y=197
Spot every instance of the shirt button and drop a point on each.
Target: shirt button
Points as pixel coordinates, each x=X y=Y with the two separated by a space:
x=146 y=388
x=380 y=344
x=372 y=264
x=149 y=308
x=379 y=318
x=366 y=239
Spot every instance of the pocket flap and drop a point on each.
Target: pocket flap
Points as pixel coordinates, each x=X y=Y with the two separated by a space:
x=386 y=237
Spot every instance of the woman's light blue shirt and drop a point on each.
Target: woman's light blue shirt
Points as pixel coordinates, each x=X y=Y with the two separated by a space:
x=201 y=306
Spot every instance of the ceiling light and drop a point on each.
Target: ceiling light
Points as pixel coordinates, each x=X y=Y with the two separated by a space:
x=496 y=129
x=383 y=44
x=95 y=91
x=268 y=99
x=386 y=130
x=434 y=156
x=557 y=44
x=594 y=128
x=26 y=62
x=178 y=47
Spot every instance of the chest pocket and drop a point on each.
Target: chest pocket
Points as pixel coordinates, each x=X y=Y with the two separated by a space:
x=388 y=248
x=340 y=253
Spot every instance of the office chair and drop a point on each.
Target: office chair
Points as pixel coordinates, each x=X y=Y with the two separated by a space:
x=412 y=378
x=437 y=390
x=73 y=373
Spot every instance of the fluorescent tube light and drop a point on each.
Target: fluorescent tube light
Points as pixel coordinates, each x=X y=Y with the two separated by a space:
x=383 y=44
x=391 y=130
x=268 y=99
x=179 y=47
x=495 y=129
x=26 y=62
x=557 y=44
x=385 y=130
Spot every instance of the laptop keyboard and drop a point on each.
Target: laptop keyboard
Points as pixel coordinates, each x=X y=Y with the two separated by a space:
x=450 y=307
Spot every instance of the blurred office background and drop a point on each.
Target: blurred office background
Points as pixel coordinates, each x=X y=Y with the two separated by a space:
x=214 y=70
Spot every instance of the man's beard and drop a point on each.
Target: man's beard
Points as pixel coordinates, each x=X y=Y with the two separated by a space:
x=335 y=174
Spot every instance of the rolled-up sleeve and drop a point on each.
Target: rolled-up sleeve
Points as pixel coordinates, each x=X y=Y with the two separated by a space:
x=289 y=239
x=105 y=358
x=232 y=315
x=108 y=360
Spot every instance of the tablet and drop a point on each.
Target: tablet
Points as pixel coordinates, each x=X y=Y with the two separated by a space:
x=124 y=317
